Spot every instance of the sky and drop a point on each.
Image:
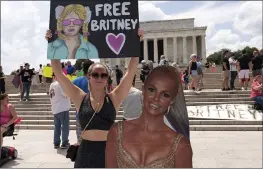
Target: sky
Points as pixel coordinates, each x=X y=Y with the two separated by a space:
x=230 y=24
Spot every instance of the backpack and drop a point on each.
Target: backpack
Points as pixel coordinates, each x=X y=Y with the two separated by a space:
x=199 y=70
x=165 y=62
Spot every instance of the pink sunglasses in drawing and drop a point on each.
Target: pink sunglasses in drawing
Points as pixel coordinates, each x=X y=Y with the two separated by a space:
x=67 y=22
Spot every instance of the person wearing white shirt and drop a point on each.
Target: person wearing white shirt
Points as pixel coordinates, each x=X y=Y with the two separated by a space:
x=60 y=105
x=233 y=72
x=163 y=61
x=132 y=105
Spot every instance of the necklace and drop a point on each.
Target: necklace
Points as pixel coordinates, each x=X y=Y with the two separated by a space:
x=97 y=102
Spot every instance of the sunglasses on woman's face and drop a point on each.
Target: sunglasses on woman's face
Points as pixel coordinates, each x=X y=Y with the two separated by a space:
x=67 y=22
x=97 y=75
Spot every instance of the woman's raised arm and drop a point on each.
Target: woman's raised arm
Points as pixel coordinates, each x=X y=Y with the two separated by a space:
x=122 y=90
x=72 y=91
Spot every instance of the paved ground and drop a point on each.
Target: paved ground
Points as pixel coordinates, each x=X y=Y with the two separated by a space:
x=211 y=150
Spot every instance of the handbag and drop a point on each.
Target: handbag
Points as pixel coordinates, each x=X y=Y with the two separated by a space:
x=73 y=149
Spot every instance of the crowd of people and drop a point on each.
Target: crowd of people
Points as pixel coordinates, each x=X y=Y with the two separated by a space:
x=241 y=68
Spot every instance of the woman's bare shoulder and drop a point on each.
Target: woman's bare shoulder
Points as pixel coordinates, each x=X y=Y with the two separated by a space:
x=130 y=124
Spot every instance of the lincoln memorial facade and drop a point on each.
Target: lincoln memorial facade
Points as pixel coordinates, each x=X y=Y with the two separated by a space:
x=175 y=39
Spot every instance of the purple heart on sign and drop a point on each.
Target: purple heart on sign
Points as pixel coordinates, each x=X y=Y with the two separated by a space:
x=114 y=42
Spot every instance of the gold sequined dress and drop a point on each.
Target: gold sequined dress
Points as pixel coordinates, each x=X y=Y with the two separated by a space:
x=125 y=160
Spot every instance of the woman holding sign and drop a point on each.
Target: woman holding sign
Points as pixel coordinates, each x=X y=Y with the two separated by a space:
x=97 y=110
x=147 y=142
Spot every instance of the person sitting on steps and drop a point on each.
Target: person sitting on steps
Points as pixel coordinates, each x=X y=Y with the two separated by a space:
x=257 y=92
x=8 y=116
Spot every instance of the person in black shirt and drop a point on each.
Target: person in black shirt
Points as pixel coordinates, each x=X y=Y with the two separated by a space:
x=226 y=70
x=145 y=70
x=2 y=81
x=119 y=74
x=257 y=64
x=26 y=77
x=244 y=65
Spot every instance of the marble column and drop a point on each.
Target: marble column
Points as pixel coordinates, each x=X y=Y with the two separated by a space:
x=145 y=49
x=110 y=62
x=194 y=44
x=118 y=61
x=185 y=59
x=127 y=62
x=203 y=49
x=165 y=47
x=175 y=49
x=155 y=46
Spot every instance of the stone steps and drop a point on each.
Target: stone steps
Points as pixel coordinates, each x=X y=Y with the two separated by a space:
x=49 y=117
x=36 y=114
x=216 y=99
x=206 y=81
x=187 y=99
x=119 y=117
x=216 y=103
x=218 y=96
x=46 y=100
x=192 y=102
x=192 y=127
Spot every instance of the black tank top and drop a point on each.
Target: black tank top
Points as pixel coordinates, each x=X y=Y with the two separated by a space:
x=194 y=66
x=103 y=120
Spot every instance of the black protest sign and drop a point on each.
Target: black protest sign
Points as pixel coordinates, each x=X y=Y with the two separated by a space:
x=93 y=29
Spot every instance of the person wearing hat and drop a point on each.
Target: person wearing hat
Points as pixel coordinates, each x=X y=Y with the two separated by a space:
x=26 y=78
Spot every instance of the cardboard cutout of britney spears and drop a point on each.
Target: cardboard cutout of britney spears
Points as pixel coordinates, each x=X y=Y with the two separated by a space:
x=70 y=44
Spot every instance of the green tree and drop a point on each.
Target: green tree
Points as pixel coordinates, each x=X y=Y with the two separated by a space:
x=217 y=57
x=13 y=72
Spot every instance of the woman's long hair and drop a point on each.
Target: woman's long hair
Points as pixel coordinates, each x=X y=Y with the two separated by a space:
x=177 y=113
x=3 y=96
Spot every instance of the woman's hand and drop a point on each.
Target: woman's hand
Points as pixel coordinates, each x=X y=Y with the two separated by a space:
x=140 y=33
x=5 y=126
x=48 y=35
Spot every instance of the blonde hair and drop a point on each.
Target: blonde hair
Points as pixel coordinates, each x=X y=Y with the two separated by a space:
x=81 y=12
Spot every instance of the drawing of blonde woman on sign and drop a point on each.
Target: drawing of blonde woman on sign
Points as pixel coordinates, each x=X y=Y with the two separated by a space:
x=70 y=44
